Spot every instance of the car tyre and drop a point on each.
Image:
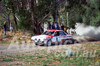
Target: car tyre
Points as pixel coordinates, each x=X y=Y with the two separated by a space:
x=36 y=44
x=66 y=42
x=72 y=41
x=49 y=43
x=75 y=41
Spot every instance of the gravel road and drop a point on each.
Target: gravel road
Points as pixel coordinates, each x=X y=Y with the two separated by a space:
x=14 y=49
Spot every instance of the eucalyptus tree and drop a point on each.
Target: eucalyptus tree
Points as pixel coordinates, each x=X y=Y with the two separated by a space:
x=84 y=11
x=32 y=13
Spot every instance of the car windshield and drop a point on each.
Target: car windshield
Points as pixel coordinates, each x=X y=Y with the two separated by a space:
x=47 y=32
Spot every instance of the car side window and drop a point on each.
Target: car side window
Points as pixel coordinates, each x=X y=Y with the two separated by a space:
x=62 y=33
x=47 y=32
x=57 y=33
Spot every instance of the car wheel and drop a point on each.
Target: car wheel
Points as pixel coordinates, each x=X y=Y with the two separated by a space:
x=66 y=42
x=75 y=41
x=36 y=44
x=49 y=43
x=71 y=41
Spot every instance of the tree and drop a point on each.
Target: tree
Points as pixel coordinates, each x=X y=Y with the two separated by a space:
x=4 y=13
x=11 y=6
x=84 y=11
x=31 y=13
x=92 y=13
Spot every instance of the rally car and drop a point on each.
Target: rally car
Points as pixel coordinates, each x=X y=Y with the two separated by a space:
x=50 y=37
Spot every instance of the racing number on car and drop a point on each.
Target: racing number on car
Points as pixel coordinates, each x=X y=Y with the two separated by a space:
x=59 y=36
x=54 y=39
x=59 y=39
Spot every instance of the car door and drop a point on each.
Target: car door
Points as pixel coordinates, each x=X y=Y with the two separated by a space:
x=62 y=37
x=56 y=37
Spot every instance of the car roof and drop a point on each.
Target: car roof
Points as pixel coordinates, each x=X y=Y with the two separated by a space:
x=53 y=30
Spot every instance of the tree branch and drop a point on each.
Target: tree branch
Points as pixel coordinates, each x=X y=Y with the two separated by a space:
x=41 y=20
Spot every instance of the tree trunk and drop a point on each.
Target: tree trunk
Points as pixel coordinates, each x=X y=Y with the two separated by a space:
x=8 y=20
x=37 y=27
x=54 y=17
x=36 y=23
x=15 y=20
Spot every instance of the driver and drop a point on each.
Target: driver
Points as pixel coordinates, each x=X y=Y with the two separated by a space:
x=49 y=34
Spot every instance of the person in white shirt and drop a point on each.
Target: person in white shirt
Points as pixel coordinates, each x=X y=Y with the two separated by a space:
x=11 y=28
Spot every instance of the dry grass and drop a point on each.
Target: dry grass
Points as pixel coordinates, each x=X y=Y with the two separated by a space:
x=19 y=35
x=42 y=58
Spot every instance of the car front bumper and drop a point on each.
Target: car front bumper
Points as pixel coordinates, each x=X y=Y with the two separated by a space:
x=40 y=42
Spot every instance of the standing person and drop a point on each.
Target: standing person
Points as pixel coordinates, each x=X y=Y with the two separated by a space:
x=62 y=27
x=68 y=30
x=53 y=25
x=11 y=28
x=56 y=26
x=5 y=28
x=49 y=25
x=65 y=29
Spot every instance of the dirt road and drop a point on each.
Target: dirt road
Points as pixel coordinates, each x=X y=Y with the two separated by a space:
x=15 y=49
x=31 y=49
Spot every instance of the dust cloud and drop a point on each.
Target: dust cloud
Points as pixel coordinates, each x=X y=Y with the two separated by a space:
x=87 y=33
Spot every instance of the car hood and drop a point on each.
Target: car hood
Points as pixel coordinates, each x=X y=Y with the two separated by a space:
x=39 y=37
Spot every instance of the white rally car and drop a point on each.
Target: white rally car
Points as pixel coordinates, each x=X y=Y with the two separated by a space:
x=50 y=37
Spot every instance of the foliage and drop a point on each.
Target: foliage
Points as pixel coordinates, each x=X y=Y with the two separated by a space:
x=24 y=20
x=84 y=12
x=7 y=59
x=33 y=14
x=4 y=42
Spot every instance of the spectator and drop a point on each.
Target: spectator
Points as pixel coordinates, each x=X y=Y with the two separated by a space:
x=53 y=25
x=49 y=34
x=65 y=29
x=5 y=28
x=11 y=28
x=56 y=26
x=49 y=25
x=62 y=27
x=68 y=30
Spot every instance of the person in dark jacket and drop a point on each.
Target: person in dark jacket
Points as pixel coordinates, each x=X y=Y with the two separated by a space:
x=49 y=25
x=53 y=25
x=62 y=27
x=5 y=28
